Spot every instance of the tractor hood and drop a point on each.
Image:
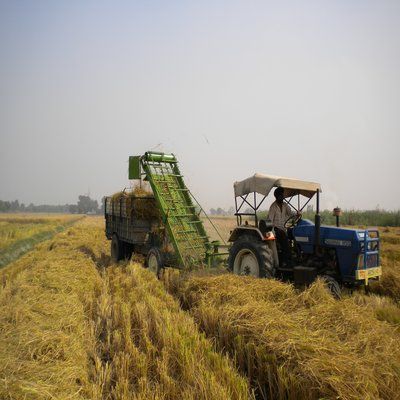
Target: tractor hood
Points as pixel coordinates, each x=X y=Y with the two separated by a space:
x=263 y=184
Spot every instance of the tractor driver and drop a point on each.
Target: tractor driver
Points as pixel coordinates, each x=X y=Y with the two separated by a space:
x=278 y=213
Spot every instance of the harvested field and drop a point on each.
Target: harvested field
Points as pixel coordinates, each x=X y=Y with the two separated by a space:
x=19 y=233
x=45 y=300
x=16 y=227
x=295 y=345
x=148 y=348
x=70 y=329
x=72 y=325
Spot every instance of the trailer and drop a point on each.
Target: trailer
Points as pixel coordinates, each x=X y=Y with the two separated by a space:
x=172 y=234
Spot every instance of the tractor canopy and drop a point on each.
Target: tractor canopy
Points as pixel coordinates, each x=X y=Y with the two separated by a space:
x=262 y=184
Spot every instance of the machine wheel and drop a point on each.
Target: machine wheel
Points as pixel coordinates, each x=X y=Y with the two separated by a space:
x=249 y=256
x=117 y=249
x=128 y=250
x=333 y=286
x=154 y=261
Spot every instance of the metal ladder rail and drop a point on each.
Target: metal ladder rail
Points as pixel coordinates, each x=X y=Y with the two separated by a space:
x=188 y=236
x=151 y=176
x=168 y=185
x=189 y=199
x=174 y=201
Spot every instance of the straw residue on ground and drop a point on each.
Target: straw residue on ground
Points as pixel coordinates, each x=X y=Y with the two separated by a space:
x=45 y=299
x=71 y=329
x=147 y=348
x=295 y=345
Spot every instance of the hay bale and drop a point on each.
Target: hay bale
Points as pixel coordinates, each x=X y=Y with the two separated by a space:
x=139 y=203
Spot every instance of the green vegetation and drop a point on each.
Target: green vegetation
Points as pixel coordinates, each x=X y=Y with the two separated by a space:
x=354 y=217
x=357 y=217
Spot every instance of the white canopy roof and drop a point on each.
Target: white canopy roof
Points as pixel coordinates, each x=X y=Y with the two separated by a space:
x=263 y=184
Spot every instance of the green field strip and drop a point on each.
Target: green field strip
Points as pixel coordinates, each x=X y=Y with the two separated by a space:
x=21 y=247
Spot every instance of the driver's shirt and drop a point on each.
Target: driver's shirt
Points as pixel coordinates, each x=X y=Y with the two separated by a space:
x=277 y=216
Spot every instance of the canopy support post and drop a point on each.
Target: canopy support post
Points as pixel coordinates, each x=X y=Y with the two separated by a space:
x=317 y=224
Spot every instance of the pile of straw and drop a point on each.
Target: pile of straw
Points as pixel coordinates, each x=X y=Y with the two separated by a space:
x=70 y=329
x=295 y=345
x=389 y=285
x=147 y=348
x=45 y=300
x=140 y=203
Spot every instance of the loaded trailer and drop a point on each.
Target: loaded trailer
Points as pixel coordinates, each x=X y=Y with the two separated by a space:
x=165 y=225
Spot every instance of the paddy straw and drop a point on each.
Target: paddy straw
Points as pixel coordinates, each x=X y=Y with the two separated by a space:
x=72 y=329
x=295 y=344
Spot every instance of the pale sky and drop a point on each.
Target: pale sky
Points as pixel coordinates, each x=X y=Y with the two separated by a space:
x=305 y=89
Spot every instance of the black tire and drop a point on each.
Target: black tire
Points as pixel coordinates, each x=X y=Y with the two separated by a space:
x=117 y=249
x=154 y=261
x=332 y=285
x=259 y=257
x=128 y=250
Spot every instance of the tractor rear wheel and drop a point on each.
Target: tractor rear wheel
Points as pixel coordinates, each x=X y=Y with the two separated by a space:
x=154 y=261
x=117 y=248
x=252 y=257
x=332 y=285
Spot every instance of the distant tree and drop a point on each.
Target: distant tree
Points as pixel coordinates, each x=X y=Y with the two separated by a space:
x=4 y=206
x=101 y=208
x=73 y=209
x=86 y=204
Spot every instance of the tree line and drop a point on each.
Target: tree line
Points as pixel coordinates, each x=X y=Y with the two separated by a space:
x=84 y=205
x=359 y=217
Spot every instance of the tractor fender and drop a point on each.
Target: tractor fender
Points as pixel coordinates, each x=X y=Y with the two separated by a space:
x=245 y=230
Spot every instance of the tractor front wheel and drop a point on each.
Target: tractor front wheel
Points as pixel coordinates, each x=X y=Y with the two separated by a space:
x=252 y=257
x=332 y=285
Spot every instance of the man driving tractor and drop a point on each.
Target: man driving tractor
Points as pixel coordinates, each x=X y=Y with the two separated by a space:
x=279 y=213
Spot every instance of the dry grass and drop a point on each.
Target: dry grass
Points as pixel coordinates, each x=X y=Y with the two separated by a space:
x=16 y=227
x=140 y=203
x=295 y=345
x=69 y=332
x=389 y=285
x=72 y=329
x=147 y=348
x=223 y=224
x=44 y=302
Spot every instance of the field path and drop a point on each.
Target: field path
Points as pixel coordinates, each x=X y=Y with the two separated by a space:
x=19 y=247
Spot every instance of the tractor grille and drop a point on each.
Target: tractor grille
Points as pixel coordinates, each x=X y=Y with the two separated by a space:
x=372 y=261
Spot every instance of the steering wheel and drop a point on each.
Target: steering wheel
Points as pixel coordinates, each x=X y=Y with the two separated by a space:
x=292 y=221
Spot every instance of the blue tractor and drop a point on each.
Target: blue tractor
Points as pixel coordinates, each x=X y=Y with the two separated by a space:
x=339 y=256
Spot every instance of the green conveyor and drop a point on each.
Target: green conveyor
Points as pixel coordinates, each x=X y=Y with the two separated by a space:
x=177 y=206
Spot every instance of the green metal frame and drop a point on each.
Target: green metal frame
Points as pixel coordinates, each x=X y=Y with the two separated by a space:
x=178 y=209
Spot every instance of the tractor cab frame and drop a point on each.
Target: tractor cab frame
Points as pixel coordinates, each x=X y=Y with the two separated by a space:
x=246 y=192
